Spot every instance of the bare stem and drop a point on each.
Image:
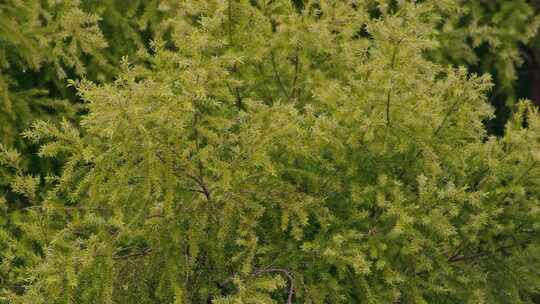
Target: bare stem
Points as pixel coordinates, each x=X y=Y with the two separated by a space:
x=389 y=92
x=274 y=66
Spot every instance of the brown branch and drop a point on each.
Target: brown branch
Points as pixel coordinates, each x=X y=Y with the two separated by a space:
x=526 y=172
x=200 y=179
x=143 y=253
x=284 y=272
x=452 y=109
x=65 y=208
x=155 y=216
x=484 y=253
x=389 y=92
x=263 y=74
x=204 y=190
x=470 y=257
x=522 y=176
x=203 y=185
x=463 y=258
x=274 y=67
x=236 y=91
x=483 y=173
x=457 y=250
x=230 y=23
x=388 y=107
x=239 y=103
x=296 y=69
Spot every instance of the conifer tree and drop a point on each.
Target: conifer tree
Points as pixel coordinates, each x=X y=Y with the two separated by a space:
x=273 y=153
x=42 y=43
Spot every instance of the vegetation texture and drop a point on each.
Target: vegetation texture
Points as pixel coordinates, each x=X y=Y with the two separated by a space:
x=265 y=152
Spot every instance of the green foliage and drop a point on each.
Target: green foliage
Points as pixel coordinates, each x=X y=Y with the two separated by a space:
x=266 y=148
x=42 y=43
x=488 y=35
x=40 y=36
x=497 y=37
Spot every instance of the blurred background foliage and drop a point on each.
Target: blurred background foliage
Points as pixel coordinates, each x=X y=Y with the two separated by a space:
x=498 y=37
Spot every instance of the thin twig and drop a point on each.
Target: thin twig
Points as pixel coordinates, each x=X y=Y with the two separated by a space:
x=522 y=176
x=452 y=109
x=274 y=66
x=457 y=250
x=284 y=272
x=230 y=23
x=263 y=74
x=389 y=93
x=296 y=68
x=133 y=255
x=485 y=253
x=235 y=68
x=65 y=208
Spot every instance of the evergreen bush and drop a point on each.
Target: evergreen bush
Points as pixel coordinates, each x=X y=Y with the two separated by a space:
x=267 y=152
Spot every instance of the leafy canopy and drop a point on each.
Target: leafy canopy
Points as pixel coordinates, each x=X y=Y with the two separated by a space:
x=268 y=153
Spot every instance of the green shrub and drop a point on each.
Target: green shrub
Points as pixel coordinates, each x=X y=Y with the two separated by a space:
x=270 y=154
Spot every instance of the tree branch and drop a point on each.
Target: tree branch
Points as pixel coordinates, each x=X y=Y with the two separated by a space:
x=389 y=93
x=274 y=67
x=263 y=74
x=143 y=253
x=284 y=272
x=481 y=254
x=230 y=23
x=295 y=79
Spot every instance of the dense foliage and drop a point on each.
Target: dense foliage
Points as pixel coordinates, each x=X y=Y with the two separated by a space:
x=497 y=37
x=266 y=152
